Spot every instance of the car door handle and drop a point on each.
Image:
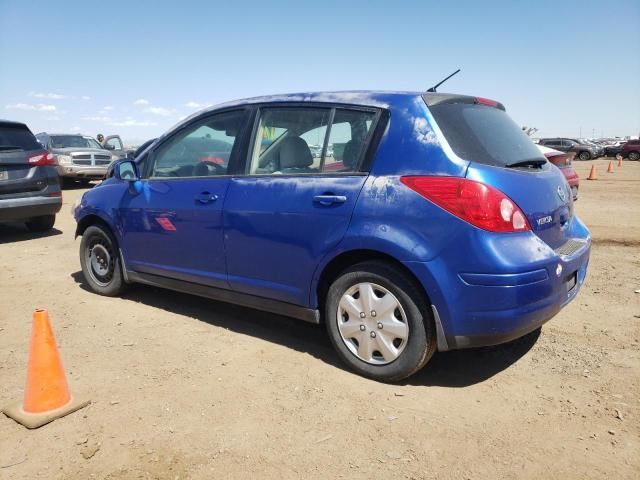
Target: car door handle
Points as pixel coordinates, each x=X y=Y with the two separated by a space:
x=327 y=200
x=206 y=197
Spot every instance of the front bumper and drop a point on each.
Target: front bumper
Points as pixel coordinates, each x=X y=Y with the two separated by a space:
x=82 y=171
x=20 y=209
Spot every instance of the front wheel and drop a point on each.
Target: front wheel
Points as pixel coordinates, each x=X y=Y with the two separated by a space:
x=634 y=155
x=100 y=261
x=379 y=322
x=584 y=156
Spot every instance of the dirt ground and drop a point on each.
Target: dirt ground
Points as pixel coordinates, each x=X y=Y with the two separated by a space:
x=183 y=387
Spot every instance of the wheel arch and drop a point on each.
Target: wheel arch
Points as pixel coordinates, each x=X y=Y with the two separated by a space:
x=92 y=219
x=346 y=259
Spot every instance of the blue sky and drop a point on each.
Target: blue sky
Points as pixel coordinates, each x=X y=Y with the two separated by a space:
x=137 y=67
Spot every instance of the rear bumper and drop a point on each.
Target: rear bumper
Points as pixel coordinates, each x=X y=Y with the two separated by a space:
x=82 y=171
x=19 y=209
x=483 y=309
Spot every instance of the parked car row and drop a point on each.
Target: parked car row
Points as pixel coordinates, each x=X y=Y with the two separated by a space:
x=583 y=149
x=588 y=149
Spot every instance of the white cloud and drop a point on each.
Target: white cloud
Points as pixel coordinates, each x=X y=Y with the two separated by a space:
x=27 y=106
x=141 y=101
x=53 y=118
x=107 y=108
x=75 y=129
x=97 y=118
x=85 y=97
x=196 y=105
x=51 y=96
x=163 y=112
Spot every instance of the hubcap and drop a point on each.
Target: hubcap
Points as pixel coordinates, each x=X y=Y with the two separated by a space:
x=372 y=323
x=100 y=262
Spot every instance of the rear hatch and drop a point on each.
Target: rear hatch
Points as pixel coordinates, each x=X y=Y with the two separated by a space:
x=503 y=156
x=17 y=174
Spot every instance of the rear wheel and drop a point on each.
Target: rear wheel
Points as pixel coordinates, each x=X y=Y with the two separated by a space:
x=634 y=155
x=584 y=155
x=100 y=261
x=379 y=322
x=41 y=224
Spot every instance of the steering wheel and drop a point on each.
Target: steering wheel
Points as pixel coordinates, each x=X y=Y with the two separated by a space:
x=219 y=169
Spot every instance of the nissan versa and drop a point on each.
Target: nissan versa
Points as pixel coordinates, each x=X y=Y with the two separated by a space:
x=427 y=221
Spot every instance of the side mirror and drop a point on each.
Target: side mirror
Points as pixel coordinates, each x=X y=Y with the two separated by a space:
x=127 y=171
x=107 y=146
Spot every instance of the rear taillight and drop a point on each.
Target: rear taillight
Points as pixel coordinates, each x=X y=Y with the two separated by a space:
x=42 y=158
x=474 y=202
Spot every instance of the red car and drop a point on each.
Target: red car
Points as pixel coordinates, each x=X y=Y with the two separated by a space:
x=563 y=160
x=631 y=150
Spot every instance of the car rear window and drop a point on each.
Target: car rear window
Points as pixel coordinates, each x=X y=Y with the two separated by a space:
x=483 y=134
x=17 y=137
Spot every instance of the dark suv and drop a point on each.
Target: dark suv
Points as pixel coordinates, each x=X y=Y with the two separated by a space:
x=29 y=187
x=583 y=151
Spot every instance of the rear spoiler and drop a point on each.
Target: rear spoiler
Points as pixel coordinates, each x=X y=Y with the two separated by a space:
x=433 y=99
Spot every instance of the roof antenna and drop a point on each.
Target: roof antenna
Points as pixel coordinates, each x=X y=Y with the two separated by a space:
x=433 y=89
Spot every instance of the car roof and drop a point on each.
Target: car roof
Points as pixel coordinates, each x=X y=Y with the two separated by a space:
x=372 y=98
x=11 y=123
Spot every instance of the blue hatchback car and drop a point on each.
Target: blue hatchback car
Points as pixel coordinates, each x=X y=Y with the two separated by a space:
x=405 y=222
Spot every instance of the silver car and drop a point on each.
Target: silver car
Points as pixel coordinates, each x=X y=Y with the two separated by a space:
x=79 y=157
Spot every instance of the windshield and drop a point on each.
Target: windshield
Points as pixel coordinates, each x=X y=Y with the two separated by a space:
x=484 y=134
x=73 y=141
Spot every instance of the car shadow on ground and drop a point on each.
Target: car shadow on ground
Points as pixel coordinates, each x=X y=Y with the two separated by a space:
x=449 y=369
x=18 y=232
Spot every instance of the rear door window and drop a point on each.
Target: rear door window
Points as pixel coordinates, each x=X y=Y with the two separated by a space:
x=483 y=134
x=310 y=140
x=17 y=137
x=349 y=135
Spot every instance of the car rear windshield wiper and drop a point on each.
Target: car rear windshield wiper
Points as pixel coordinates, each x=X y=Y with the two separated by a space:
x=11 y=147
x=527 y=163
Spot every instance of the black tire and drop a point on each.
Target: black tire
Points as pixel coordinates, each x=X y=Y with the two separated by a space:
x=103 y=273
x=584 y=155
x=41 y=224
x=634 y=156
x=421 y=343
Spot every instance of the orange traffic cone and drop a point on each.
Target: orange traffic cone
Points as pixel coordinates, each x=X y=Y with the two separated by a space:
x=620 y=162
x=610 y=168
x=46 y=396
x=592 y=173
